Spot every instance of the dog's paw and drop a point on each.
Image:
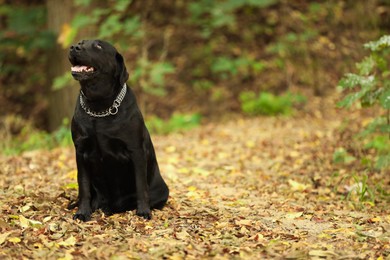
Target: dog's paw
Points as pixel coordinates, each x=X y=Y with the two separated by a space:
x=145 y=213
x=82 y=216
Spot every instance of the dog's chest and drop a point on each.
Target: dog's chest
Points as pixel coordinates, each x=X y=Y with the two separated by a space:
x=102 y=143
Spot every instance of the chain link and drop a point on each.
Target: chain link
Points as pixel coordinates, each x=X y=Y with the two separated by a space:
x=112 y=110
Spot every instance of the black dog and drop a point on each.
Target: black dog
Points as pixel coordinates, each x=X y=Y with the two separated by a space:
x=116 y=162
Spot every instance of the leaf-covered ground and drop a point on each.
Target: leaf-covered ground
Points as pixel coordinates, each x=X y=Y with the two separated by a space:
x=244 y=189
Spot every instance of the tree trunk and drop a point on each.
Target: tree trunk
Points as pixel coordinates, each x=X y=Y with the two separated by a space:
x=61 y=102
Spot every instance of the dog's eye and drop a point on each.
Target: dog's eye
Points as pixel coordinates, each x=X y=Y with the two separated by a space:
x=97 y=45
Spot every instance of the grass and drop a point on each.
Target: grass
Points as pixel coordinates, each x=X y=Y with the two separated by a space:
x=26 y=137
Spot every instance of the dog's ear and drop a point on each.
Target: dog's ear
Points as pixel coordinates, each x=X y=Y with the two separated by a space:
x=121 y=73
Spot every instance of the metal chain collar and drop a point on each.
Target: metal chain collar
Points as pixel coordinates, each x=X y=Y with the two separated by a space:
x=112 y=110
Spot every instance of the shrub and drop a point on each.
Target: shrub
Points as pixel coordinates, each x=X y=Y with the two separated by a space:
x=19 y=135
x=268 y=104
x=176 y=123
x=370 y=87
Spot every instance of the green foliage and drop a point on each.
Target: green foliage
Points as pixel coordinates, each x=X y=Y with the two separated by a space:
x=115 y=24
x=24 y=43
x=372 y=83
x=211 y=15
x=379 y=45
x=381 y=144
x=268 y=104
x=357 y=188
x=177 y=122
x=62 y=81
x=31 y=138
x=225 y=66
x=25 y=28
x=342 y=156
x=151 y=76
x=213 y=47
x=371 y=87
x=22 y=38
x=362 y=190
x=111 y=21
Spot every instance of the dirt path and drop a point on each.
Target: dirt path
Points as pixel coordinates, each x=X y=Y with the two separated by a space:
x=248 y=188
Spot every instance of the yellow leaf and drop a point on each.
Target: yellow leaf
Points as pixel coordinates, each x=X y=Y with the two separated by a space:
x=4 y=236
x=24 y=223
x=72 y=174
x=19 y=188
x=173 y=160
x=148 y=226
x=244 y=230
x=222 y=155
x=66 y=36
x=35 y=223
x=376 y=219
x=244 y=222
x=25 y=208
x=323 y=235
x=221 y=225
x=294 y=154
x=296 y=186
x=293 y=215
x=170 y=149
x=191 y=188
x=14 y=240
x=193 y=195
x=201 y=171
x=183 y=170
x=183 y=235
x=38 y=245
x=250 y=144
x=71 y=186
x=205 y=142
x=70 y=241
x=46 y=219
x=21 y=51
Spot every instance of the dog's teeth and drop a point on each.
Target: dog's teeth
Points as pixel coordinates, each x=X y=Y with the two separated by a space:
x=79 y=68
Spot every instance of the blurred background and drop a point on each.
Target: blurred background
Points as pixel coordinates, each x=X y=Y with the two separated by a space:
x=188 y=60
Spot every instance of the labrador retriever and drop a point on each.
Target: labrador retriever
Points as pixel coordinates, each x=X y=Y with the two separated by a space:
x=116 y=162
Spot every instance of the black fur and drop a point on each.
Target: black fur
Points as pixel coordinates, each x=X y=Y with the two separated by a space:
x=116 y=161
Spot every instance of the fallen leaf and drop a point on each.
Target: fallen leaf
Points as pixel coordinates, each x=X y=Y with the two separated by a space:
x=14 y=240
x=70 y=241
x=245 y=222
x=296 y=186
x=322 y=253
x=4 y=236
x=182 y=235
x=24 y=223
x=293 y=215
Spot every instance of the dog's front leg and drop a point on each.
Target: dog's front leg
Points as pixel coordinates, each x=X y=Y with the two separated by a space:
x=84 y=181
x=142 y=188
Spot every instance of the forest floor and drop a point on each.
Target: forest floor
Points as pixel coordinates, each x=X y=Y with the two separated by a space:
x=247 y=188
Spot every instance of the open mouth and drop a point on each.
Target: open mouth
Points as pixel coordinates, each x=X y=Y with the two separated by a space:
x=82 y=72
x=82 y=69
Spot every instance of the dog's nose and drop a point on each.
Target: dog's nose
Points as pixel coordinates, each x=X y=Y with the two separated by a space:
x=77 y=47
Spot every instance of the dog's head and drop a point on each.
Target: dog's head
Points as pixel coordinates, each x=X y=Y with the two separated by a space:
x=98 y=67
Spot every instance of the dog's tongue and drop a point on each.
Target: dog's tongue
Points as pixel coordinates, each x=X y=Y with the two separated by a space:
x=82 y=68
